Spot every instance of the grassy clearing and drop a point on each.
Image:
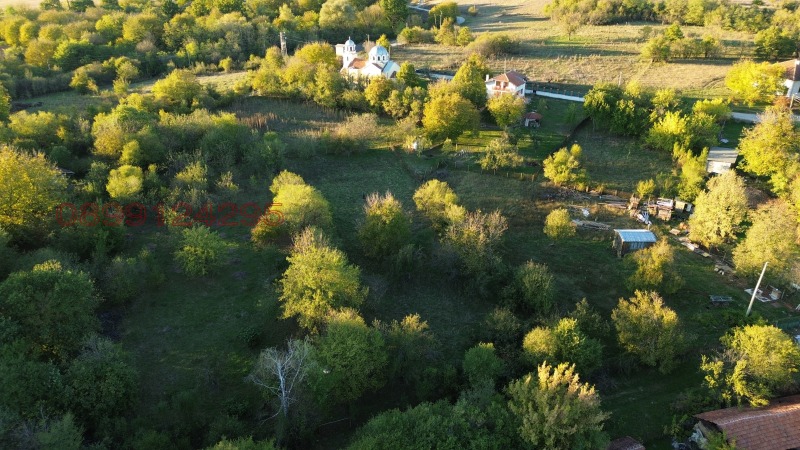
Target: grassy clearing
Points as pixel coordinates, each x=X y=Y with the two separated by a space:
x=618 y=163
x=194 y=340
x=594 y=54
x=71 y=100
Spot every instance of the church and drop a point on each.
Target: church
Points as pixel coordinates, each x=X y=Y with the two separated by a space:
x=377 y=63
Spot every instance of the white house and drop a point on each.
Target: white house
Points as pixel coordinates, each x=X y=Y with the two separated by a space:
x=377 y=64
x=792 y=77
x=508 y=83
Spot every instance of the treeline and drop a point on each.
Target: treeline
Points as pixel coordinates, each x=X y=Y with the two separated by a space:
x=45 y=45
x=778 y=28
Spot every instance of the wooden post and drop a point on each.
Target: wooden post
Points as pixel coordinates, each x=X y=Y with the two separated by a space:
x=756 y=289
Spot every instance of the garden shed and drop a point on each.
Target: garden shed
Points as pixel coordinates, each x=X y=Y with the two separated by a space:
x=627 y=241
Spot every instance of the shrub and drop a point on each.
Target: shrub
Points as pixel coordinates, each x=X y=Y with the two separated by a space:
x=532 y=288
x=386 y=228
x=494 y=45
x=201 y=251
x=558 y=225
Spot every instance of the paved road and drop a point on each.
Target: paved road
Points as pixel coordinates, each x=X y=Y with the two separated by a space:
x=752 y=118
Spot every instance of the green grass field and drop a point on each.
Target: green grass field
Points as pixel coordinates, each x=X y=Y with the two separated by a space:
x=594 y=54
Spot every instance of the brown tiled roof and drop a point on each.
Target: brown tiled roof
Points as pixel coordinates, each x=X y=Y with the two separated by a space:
x=357 y=63
x=773 y=427
x=625 y=443
x=511 y=77
x=792 y=69
x=533 y=116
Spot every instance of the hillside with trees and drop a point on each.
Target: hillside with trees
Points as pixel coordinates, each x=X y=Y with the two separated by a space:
x=214 y=236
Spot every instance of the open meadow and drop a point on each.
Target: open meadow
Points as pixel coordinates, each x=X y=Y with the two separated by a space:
x=607 y=53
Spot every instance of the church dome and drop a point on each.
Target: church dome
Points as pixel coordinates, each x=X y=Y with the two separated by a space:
x=378 y=54
x=349 y=43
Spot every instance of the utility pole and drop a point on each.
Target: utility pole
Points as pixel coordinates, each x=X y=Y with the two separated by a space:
x=756 y=289
x=283 y=44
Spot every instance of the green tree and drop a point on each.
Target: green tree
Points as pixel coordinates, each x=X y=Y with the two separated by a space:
x=180 y=90
x=478 y=420
x=408 y=74
x=753 y=82
x=500 y=154
x=671 y=129
x=506 y=109
x=411 y=347
x=655 y=269
x=328 y=86
x=242 y=444
x=100 y=385
x=386 y=227
x=533 y=288
x=448 y=115
x=464 y=37
x=285 y=178
x=656 y=49
x=589 y=321
x=718 y=108
x=52 y=306
x=673 y=32
x=469 y=80
x=83 y=83
x=692 y=174
x=558 y=225
x=771 y=148
x=773 y=43
x=303 y=205
x=125 y=182
x=352 y=358
x=476 y=239
x=719 y=211
x=646 y=188
x=557 y=411
x=396 y=10
x=33 y=188
x=5 y=104
x=758 y=362
x=564 y=342
x=62 y=434
x=319 y=279
x=378 y=91
x=337 y=15
x=481 y=364
x=384 y=42
x=771 y=238
x=433 y=198
x=564 y=166
x=201 y=251
x=649 y=329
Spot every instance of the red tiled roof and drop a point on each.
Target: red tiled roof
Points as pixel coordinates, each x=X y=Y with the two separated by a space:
x=357 y=63
x=773 y=427
x=511 y=77
x=625 y=443
x=533 y=116
x=792 y=69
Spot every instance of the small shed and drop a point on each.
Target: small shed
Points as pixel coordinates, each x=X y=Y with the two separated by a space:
x=533 y=119
x=627 y=241
x=625 y=443
x=720 y=159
